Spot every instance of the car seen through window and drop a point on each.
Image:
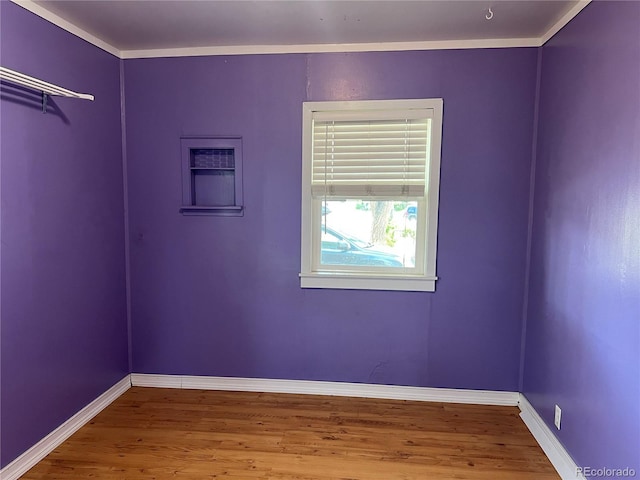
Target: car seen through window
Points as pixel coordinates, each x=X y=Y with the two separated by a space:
x=341 y=249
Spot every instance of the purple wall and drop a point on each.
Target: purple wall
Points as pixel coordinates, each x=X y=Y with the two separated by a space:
x=64 y=338
x=221 y=296
x=583 y=328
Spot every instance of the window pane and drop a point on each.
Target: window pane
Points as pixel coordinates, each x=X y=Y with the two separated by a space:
x=368 y=233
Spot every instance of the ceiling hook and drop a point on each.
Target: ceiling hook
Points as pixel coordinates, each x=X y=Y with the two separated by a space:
x=489 y=15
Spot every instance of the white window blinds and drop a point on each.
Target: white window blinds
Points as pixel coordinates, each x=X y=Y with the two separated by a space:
x=376 y=154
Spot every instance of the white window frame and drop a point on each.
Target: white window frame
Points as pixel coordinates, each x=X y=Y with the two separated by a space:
x=427 y=226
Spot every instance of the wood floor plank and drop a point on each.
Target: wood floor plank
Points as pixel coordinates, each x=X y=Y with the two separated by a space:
x=153 y=433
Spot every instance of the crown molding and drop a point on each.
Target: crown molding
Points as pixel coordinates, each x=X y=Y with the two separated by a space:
x=559 y=25
x=42 y=12
x=68 y=26
x=332 y=48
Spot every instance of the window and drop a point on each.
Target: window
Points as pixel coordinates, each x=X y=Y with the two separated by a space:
x=212 y=176
x=370 y=178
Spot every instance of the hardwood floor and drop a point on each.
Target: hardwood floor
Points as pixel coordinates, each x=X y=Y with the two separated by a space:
x=151 y=433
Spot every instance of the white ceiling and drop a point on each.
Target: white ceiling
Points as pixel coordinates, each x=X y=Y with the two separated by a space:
x=140 y=27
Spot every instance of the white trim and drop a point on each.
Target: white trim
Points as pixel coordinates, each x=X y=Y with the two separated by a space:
x=306 y=230
x=301 y=48
x=151 y=380
x=566 y=18
x=423 y=277
x=433 y=196
x=68 y=26
x=49 y=443
x=331 y=48
x=370 y=282
x=340 y=389
x=551 y=446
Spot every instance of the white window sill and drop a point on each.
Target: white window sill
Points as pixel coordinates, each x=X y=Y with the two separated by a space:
x=368 y=282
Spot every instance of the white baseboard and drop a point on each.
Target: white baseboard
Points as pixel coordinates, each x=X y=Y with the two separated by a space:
x=553 y=449
x=45 y=446
x=395 y=392
x=551 y=446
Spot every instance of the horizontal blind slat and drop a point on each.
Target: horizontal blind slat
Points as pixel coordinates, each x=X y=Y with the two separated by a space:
x=382 y=116
x=364 y=159
x=361 y=191
x=410 y=166
x=370 y=157
x=354 y=175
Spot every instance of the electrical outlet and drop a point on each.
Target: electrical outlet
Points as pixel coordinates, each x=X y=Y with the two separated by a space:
x=557 y=417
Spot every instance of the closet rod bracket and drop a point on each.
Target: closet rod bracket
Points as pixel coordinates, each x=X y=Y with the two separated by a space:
x=45 y=98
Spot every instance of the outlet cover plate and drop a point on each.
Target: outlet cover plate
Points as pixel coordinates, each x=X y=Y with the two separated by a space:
x=557 y=417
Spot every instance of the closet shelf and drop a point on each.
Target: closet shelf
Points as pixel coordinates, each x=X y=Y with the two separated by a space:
x=45 y=88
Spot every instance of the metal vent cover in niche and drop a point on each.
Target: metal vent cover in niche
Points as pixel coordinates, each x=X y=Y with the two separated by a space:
x=213 y=158
x=212 y=176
